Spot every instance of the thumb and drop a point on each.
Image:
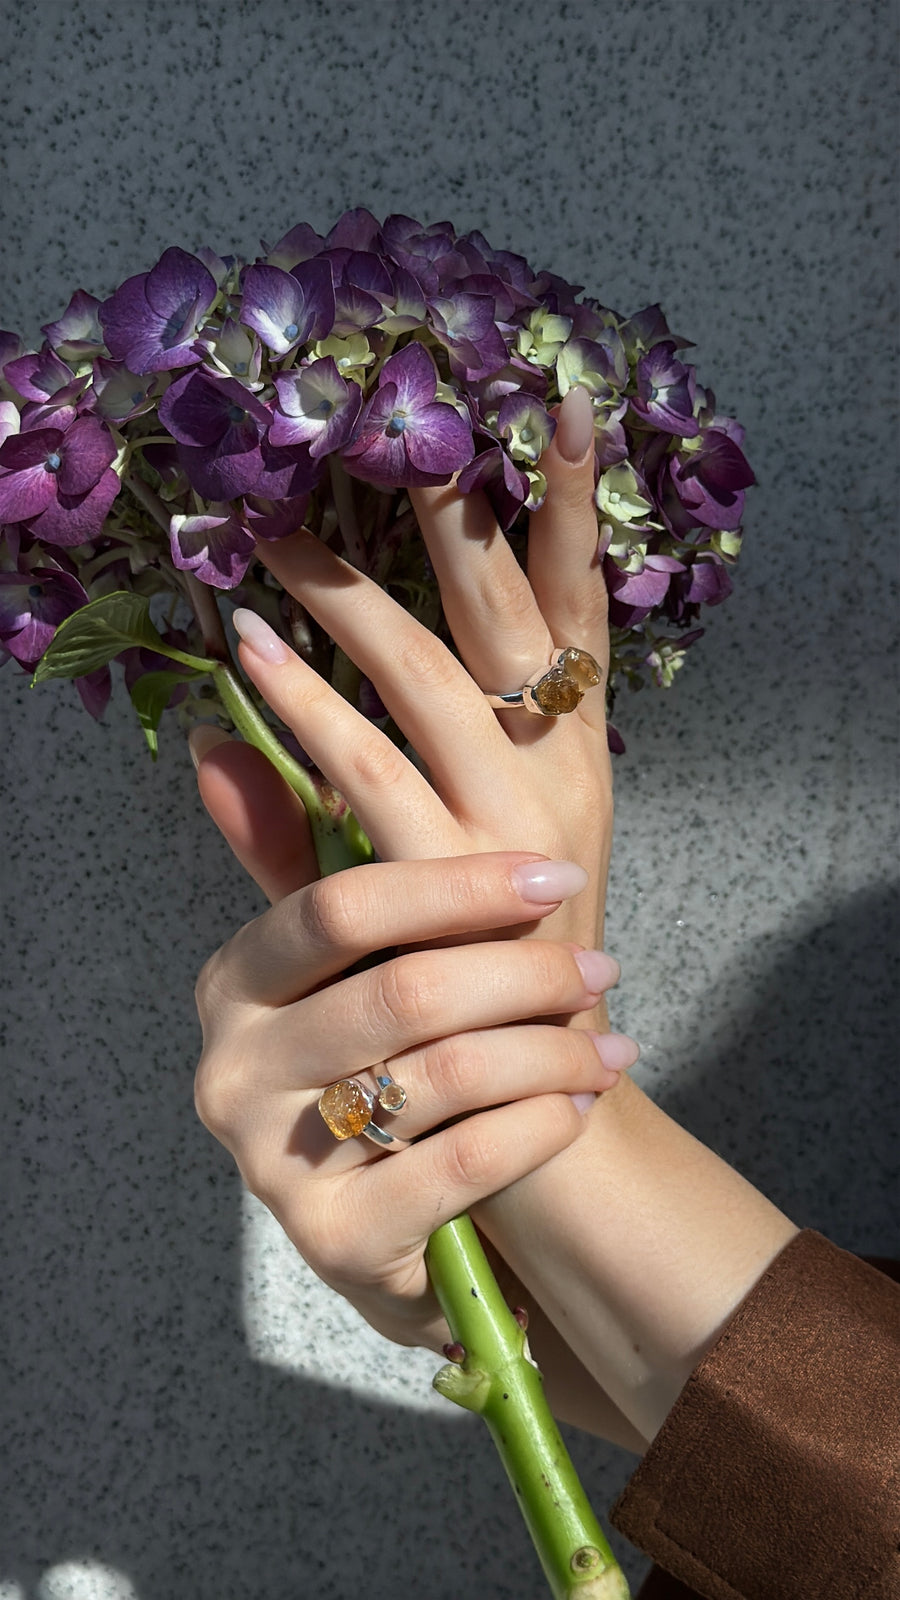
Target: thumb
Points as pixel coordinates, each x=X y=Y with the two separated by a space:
x=257 y=813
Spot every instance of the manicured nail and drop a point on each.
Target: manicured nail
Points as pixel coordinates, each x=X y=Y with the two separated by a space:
x=599 y=971
x=546 y=882
x=574 y=425
x=582 y=1102
x=616 y=1050
x=259 y=637
x=204 y=737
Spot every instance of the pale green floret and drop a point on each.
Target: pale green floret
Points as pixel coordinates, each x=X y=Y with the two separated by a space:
x=527 y=439
x=537 y=488
x=727 y=544
x=665 y=661
x=446 y=393
x=351 y=356
x=543 y=336
x=572 y=369
x=617 y=495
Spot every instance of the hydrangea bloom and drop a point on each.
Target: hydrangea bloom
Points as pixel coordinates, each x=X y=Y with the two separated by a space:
x=209 y=403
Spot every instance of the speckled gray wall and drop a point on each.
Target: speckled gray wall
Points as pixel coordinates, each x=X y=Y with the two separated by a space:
x=188 y=1416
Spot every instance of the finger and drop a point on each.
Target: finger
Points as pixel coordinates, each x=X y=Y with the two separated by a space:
x=423 y=995
x=563 y=565
x=395 y=804
x=406 y=1197
x=466 y=1072
x=329 y=925
x=259 y=816
x=425 y=689
x=487 y=599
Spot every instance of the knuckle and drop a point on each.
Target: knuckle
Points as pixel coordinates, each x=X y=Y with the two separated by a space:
x=331 y=912
x=377 y=763
x=470 y=1158
x=216 y=1096
x=409 y=993
x=455 y=1069
x=421 y=659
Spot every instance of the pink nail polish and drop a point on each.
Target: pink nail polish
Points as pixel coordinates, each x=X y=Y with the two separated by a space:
x=582 y=1102
x=259 y=637
x=575 y=425
x=616 y=1050
x=546 y=882
x=599 y=971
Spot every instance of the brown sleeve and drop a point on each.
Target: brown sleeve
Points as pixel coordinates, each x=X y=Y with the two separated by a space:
x=776 y=1476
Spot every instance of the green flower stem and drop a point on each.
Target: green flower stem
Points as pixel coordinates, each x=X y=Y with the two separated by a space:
x=498 y=1380
x=497 y=1377
x=338 y=838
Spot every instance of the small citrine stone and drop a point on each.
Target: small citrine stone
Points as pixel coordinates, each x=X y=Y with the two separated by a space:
x=392 y=1097
x=582 y=667
x=345 y=1108
x=557 y=693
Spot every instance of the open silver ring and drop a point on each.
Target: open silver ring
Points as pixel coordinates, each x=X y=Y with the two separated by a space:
x=347 y=1109
x=556 y=689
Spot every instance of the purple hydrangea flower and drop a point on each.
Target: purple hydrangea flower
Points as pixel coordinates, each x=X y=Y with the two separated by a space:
x=216 y=547
x=118 y=394
x=707 y=485
x=633 y=595
x=77 y=335
x=32 y=606
x=496 y=476
x=665 y=392
x=59 y=481
x=315 y=407
x=465 y=325
x=220 y=429
x=288 y=308
x=152 y=320
x=43 y=377
x=404 y=436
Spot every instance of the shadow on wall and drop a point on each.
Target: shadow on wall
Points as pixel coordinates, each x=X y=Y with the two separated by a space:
x=801 y=1090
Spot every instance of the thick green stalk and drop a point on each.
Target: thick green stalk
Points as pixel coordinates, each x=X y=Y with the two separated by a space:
x=496 y=1376
x=338 y=838
x=498 y=1379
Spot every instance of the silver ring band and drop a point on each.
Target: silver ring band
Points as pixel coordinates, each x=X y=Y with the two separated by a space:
x=556 y=689
x=347 y=1109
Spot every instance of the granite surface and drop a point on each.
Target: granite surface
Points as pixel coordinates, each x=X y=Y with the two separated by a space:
x=187 y=1414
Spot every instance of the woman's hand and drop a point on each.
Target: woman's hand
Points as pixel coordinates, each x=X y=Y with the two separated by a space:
x=495 y=781
x=280 y=1023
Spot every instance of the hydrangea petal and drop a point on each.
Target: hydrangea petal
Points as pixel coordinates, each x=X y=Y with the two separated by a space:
x=72 y=520
x=87 y=450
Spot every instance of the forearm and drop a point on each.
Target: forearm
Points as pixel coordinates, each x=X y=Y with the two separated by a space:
x=638 y=1242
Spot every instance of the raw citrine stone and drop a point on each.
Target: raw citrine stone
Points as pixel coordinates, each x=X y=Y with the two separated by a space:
x=582 y=667
x=556 y=693
x=392 y=1097
x=345 y=1108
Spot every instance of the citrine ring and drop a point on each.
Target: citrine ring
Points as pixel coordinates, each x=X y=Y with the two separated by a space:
x=556 y=689
x=348 y=1108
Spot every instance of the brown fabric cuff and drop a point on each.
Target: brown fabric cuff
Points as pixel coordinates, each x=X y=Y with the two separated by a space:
x=776 y=1476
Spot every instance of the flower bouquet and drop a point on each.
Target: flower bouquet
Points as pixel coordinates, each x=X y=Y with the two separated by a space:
x=207 y=404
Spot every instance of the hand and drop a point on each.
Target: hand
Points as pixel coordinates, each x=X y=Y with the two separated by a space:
x=496 y=781
x=280 y=1023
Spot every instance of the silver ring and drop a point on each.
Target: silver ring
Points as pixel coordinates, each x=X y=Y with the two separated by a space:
x=555 y=690
x=347 y=1109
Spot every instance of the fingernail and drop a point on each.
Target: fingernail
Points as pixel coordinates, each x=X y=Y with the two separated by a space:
x=575 y=425
x=599 y=971
x=582 y=1102
x=204 y=737
x=546 y=882
x=616 y=1050
x=259 y=637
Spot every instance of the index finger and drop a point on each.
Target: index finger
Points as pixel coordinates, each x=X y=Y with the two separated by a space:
x=325 y=927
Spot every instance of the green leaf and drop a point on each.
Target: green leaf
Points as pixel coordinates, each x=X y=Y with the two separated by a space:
x=100 y=630
x=150 y=695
